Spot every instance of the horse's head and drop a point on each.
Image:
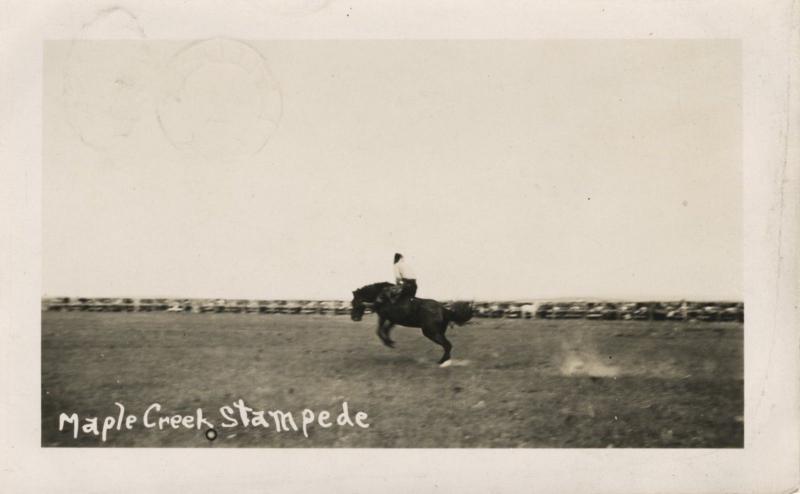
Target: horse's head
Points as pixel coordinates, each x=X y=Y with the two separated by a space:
x=357 y=306
x=363 y=296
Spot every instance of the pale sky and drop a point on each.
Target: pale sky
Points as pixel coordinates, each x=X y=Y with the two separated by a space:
x=502 y=169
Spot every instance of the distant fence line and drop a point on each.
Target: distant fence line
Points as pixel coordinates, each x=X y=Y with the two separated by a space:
x=675 y=310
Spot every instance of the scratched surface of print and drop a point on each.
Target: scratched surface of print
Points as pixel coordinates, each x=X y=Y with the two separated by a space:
x=391 y=244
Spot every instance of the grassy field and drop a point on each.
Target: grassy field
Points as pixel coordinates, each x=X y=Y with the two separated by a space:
x=513 y=383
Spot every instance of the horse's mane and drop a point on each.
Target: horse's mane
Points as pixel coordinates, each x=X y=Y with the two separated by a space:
x=370 y=292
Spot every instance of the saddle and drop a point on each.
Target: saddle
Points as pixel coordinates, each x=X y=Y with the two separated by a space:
x=391 y=294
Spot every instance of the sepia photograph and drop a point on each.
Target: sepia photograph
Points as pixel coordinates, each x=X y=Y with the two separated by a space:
x=351 y=246
x=392 y=244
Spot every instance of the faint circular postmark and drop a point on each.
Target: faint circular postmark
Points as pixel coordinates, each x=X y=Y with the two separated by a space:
x=107 y=77
x=220 y=99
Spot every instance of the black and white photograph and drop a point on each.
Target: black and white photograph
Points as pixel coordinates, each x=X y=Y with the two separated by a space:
x=392 y=244
x=316 y=245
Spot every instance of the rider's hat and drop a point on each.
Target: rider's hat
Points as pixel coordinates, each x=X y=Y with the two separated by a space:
x=397 y=256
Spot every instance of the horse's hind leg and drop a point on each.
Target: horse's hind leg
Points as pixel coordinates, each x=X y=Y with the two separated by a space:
x=437 y=336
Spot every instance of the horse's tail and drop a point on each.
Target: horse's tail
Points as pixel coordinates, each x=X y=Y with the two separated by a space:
x=459 y=312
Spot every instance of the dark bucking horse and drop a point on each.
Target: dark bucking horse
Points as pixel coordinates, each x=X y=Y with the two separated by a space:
x=430 y=315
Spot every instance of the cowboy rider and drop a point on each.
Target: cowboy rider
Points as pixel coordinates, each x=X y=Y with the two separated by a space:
x=404 y=277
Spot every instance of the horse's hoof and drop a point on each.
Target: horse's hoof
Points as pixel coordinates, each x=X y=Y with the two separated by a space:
x=446 y=363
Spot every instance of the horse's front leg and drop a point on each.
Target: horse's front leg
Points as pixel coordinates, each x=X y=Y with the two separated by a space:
x=387 y=328
x=383 y=331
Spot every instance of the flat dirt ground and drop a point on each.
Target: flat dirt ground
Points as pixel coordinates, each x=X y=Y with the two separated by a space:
x=513 y=383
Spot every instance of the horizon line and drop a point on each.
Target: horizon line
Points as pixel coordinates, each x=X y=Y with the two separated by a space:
x=475 y=299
